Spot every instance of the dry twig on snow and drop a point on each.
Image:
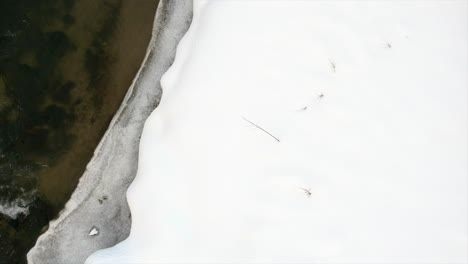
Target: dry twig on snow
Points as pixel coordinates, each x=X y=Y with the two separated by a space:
x=262 y=129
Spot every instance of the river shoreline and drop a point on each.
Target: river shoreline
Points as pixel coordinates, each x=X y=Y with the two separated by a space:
x=65 y=67
x=97 y=215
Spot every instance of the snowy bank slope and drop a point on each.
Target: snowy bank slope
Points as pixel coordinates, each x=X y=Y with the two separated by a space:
x=369 y=102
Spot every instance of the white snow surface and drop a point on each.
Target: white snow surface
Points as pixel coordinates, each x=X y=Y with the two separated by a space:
x=384 y=151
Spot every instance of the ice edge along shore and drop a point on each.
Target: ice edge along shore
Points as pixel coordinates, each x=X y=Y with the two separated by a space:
x=99 y=201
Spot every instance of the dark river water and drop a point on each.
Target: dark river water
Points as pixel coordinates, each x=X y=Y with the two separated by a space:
x=65 y=66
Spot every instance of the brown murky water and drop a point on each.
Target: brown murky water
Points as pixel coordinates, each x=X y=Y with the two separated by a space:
x=65 y=66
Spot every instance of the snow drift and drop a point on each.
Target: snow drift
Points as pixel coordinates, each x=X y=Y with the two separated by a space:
x=368 y=101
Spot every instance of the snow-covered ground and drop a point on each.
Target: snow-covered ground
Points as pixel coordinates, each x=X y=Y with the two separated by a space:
x=368 y=101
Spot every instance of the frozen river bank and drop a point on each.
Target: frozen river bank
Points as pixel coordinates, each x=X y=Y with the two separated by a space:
x=97 y=215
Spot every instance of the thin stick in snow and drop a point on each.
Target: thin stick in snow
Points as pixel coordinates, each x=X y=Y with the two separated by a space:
x=333 y=66
x=319 y=97
x=259 y=127
x=307 y=191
